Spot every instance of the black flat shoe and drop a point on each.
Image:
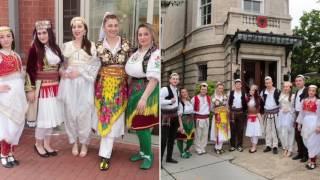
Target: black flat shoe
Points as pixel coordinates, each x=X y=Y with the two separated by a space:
x=171 y=161
x=310 y=166
x=104 y=164
x=304 y=159
x=298 y=156
x=240 y=149
x=41 y=155
x=232 y=149
x=13 y=161
x=267 y=149
x=5 y=163
x=53 y=153
x=275 y=150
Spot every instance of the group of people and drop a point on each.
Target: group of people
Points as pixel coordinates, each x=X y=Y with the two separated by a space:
x=281 y=117
x=90 y=87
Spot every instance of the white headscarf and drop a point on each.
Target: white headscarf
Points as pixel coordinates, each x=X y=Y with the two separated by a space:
x=102 y=34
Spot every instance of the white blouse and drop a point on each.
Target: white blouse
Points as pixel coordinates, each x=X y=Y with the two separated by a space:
x=188 y=108
x=52 y=58
x=134 y=65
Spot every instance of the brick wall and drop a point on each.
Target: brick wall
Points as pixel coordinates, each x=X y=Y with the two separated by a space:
x=4 y=12
x=30 y=12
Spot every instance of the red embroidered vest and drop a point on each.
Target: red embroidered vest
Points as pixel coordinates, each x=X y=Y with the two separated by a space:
x=9 y=64
x=197 y=103
x=309 y=105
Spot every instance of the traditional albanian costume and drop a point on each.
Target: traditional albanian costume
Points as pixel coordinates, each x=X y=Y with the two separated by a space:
x=186 y=113
x=111 y=95
x=143 y=66
x=309 y=118
x=13 y=104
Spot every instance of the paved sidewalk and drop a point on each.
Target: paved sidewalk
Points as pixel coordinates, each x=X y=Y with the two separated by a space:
x=67 y=167
x=237 y=166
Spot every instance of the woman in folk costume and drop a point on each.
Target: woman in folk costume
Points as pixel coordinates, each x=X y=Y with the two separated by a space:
x=143 y=67
x=111 y=86
x=42 y=85
x=309 y=119
x=76 y=89
x=253 y=129
x=186 y=129
x=220 y=129
x=13 y=102
x=286 y=119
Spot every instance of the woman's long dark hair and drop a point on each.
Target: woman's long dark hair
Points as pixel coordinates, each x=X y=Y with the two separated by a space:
x=256 y=97
x=317 y=93
x=85 y=44
x=40 y=47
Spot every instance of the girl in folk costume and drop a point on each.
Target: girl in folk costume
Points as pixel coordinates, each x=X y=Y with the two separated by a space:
x=309 y=119
x=186 y=129
x=286 y=119
x=253 y=124
x=76 y=89
x=111 y=95
x=220 y=129
x=13 y=102
x=42 y=85
x=143 y=106
x=202 y=107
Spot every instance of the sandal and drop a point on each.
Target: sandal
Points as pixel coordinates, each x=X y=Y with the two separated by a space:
x=104 y=164
x=13 y=161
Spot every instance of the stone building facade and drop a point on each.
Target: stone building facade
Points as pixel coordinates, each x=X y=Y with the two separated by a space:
x=220 y=40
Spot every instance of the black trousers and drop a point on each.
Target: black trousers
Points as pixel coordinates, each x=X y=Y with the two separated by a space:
x=237 y=123
x=302 y=150
x=168 y=136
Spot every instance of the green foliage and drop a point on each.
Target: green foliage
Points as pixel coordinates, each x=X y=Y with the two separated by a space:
x=211 y=87
x=306 y=58
x=312 y=81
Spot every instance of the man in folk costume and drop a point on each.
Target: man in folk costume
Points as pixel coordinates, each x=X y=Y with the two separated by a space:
x=202 y=108
x=238 y=106
x=299 y=96
x=169 y=116
x=270 y=97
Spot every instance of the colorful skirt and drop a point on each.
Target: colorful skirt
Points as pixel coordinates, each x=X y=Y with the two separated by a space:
x=150 y=116
x=111 y=97
x=188 y=126
x=220 y=131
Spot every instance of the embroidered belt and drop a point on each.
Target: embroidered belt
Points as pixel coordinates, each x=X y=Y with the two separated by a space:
x=168 y=112
x=252 y=117
x=43 y=75
x=112 y=71
x=271 y=111
x=237 y=110
x=200 y=116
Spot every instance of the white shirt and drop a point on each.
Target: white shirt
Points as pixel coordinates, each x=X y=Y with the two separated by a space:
x=188 y=108
x=116 y=48
x=298 y=102
x=285 y=104
x=237 y=100
x=52 y=58
x=270 y=101
x=204 y=105
x=166 y=103
x=134 y=65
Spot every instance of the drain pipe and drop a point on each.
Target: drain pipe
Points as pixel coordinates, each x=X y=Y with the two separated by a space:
x=184 y=43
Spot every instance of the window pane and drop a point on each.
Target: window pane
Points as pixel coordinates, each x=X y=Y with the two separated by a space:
x=247 y=5
x=209 y=8
x=209 y=19
x=203 y=2
x=71 y=8
x=256 y=6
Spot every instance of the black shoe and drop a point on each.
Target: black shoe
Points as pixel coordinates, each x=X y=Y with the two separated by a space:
x=298 y=156
x=104 y=164
x=275 y=150
x=267 y=149
x=5 y=163
x=53 y=153
x=252 y=151
x=45 y=155
x=310 y=166
x=13 y=161
x=304 y=159
x=240 y=149
x=171 y=161
x=232 y=149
